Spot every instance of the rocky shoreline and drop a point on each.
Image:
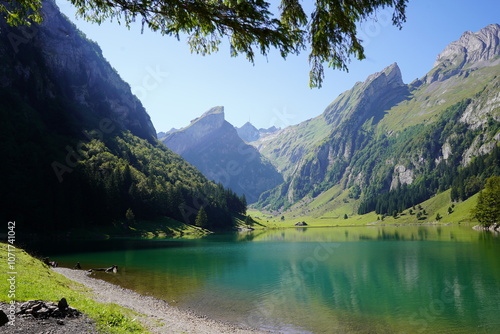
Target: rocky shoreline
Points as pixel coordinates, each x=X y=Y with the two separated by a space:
x=493 y=228
x=154 y=313
x=37 y=316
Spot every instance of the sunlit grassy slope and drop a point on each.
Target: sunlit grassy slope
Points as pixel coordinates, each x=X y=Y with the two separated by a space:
x=429 y=100
x=330 y=208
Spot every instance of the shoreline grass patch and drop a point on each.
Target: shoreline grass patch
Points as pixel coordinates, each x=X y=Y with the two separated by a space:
x=35 y=280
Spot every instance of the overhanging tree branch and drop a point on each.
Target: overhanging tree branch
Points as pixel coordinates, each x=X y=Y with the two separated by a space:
x=330 y=32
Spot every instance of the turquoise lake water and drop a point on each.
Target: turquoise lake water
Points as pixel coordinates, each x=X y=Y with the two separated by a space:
x=414 y=279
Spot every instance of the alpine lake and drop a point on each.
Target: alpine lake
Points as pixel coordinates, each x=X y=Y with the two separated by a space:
x=377 y=279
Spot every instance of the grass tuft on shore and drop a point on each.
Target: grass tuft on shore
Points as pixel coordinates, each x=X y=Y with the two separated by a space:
x=35 y=280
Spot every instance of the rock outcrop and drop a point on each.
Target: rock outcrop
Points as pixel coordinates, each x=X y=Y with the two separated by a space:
x=371 y=98
x=470 y=52
x=472 y=48
x=44 y=309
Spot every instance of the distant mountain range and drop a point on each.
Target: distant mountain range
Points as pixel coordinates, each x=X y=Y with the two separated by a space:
x=213 y=146
x=384 y=144
x=250 y=133
x=385 y=137
x=78 y=149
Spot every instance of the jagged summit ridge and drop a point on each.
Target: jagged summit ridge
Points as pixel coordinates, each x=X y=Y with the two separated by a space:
x=371 y=98
x=391 y=74
x=472 y=47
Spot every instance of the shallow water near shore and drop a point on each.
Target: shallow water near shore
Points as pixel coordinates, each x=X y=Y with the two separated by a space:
x=380 y=279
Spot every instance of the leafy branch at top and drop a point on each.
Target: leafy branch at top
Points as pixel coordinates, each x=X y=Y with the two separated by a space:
x=329 y=32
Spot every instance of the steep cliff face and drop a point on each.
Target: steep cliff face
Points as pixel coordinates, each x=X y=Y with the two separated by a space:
x=472 y=48
x=340 y=131
x=364 y=105
x=383 y=135
x=212 y=145
x=369 y=99
x=78 y=149
x=59 y=62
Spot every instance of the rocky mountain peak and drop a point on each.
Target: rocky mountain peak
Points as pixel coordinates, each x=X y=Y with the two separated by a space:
x=379 y=92
x=214 y=118
x=472 y=48
x=219 y=111
x=391 y=75
x=212 y=145
x=200 y=127
x=248 y=132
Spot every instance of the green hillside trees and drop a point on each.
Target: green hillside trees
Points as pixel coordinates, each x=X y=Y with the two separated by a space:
x=487 y=210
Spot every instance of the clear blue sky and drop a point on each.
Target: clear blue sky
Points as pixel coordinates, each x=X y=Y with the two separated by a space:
x=176 y=86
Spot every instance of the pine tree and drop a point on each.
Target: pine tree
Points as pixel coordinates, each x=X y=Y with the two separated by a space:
x=201 y=218
x=129 y=215
x=248 y=221
x=487 y=210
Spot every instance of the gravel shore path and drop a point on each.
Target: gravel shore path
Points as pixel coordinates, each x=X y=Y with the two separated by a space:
x=156 y=314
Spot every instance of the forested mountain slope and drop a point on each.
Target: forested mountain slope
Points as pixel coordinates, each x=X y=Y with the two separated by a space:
x=392 y=144
x=77 y=146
